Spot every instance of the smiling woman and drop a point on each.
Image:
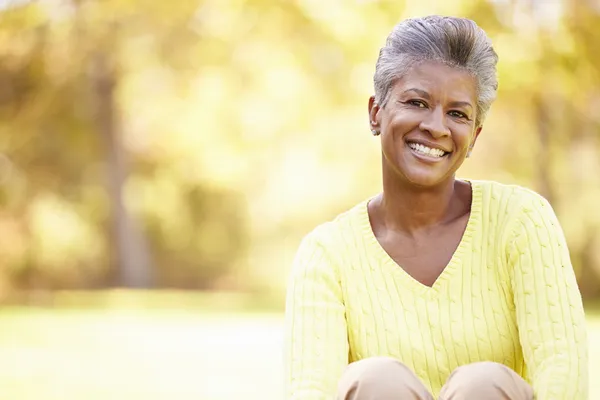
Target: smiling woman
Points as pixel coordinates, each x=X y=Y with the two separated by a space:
x=428 y=123
x=437 y=286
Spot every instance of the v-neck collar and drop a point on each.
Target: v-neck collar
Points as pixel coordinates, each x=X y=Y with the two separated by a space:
x=385 y=261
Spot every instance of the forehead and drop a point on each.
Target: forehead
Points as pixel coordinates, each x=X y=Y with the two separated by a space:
x=439 y=80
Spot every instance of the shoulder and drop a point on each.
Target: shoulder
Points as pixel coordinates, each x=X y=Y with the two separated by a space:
x=513 y=199
x=524 y=215
x=323 y=247
x=332 y=233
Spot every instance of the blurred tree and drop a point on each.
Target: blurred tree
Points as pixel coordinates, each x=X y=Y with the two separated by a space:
x=228 y=129
x=133 y=257
x=580 y=74
x=61 y=97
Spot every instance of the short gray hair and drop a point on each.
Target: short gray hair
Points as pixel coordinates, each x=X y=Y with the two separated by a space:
x=456 y=42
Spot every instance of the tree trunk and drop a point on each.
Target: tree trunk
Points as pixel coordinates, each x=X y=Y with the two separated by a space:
x=133 y=261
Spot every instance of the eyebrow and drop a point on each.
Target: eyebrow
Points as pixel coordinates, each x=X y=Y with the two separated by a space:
x=461 y=104
x=427 y=96
x=420 y=92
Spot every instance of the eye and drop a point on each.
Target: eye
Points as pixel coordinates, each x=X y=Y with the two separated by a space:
x=417 y=103
x=458 y=114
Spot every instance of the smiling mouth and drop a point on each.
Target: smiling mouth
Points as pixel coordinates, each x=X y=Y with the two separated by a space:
x=427 y=151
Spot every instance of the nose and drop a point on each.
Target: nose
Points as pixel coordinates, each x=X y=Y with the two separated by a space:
x=435 y=123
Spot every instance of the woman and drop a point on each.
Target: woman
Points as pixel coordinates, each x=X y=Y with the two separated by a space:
x=437 y=287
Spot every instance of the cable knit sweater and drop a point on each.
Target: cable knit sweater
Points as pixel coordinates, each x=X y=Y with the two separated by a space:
x=508 y=295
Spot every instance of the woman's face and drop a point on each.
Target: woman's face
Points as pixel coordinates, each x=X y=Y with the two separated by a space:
x=428 y=123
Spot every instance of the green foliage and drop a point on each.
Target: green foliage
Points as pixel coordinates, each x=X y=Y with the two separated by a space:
x=58 y=68
x=230 y=128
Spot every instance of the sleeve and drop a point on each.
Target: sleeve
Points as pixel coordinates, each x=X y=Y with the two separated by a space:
x=316 y=339
x=549 y=307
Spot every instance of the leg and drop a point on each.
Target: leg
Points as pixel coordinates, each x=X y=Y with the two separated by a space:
x=486 y=380
x=380 y=378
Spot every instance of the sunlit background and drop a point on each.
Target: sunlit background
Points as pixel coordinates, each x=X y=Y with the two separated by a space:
x=161 y=160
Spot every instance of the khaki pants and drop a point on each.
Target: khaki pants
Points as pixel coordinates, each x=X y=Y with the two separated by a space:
x=384 y=378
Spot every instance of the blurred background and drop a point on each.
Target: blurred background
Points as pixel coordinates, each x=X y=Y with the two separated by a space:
x=160 y=162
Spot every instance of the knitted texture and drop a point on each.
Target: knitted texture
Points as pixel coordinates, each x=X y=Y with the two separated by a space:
x=508 y=295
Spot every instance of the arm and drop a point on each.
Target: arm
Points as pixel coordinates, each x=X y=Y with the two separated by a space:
x=316 y=340
x=548 y=305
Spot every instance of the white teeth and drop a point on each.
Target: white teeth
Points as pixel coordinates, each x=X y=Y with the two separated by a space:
x=426 y=150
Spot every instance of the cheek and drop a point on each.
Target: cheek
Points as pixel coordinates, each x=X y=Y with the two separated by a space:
x=391 y=146
x=463 y=136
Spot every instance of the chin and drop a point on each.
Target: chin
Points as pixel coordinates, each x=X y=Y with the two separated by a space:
x=418 y=173
x=427 y=179
x=426 y=174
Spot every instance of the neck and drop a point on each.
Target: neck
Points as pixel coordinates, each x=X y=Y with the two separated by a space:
x=404 y=207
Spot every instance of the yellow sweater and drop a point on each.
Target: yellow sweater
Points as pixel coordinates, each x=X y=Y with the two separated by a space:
x=508 y=295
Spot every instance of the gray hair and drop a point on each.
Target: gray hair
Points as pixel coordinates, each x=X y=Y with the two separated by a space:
x=456 y=42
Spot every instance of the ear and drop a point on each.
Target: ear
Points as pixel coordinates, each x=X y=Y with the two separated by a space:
x=373 y=113
x=477 y=132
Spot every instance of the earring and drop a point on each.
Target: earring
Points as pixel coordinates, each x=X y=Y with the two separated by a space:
x=469 y=152
x=374 y=132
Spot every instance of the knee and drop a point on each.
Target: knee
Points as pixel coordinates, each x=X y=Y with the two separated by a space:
x=488 y=380
x=485 y=371
x=377 y=377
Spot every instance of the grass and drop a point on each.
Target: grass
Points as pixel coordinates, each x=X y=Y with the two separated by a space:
x=152 y=354
x=139 y=355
